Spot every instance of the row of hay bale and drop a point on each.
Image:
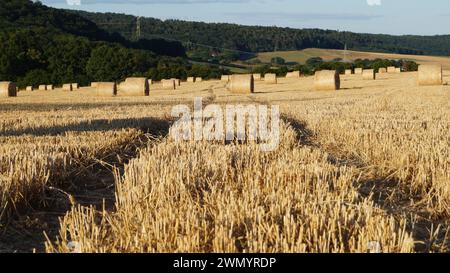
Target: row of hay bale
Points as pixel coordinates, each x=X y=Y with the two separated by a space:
x=70 y=86
x=323 y=80
x=381 y=70
x=49 y=87
x=137 y=86
x=245 y=83
x=42 y=87
x=328 y=80
x=194 y=79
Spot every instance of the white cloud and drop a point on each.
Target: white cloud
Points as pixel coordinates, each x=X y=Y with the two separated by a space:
x=374 y=2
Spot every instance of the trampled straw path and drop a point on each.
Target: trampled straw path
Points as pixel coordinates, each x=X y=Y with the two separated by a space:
x=380 y=189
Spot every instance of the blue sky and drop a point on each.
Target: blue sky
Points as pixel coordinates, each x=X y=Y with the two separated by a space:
x=423 y=17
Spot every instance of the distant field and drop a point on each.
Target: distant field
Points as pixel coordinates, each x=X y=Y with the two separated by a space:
x=329 y=54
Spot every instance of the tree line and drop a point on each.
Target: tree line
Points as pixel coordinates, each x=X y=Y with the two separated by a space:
x=316 y=64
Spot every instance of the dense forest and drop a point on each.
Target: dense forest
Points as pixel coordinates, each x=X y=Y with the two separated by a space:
x=205 y=38
x=42 y=45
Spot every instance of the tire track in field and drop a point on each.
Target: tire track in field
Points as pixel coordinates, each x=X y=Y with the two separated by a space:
x=379 y=188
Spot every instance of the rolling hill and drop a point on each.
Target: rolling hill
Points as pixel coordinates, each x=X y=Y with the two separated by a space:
x=301 y=56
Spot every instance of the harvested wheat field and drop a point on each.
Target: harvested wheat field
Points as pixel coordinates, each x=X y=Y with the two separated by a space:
x=366 y=164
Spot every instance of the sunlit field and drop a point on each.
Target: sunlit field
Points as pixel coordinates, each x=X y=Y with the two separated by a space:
x=362 y=169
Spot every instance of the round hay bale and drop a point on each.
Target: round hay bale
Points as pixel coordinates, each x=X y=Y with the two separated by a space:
x=42 y=87
x=168 y=84
x=348 y=72
x=270 y=78
x=134 y=86
x=106 y=89
x=177 y=81
x=382 y=70
x=430 y=75
x=150 y=82
x=242 y=84
x=198 y=79
x=67 y=87
x=29 y=88
x=225 y=78
x=50 y=87
x=398 y=70
x=8 y=89
x=327 y=80
x=368 y=74
x=75 y=86
x=94 y=84
x=391 y=69
x=191 y=79
x=257 y=77
x=358 y=71
x=294 y=74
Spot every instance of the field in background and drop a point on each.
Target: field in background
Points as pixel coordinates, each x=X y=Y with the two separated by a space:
x=330 y=54
x=364 y=166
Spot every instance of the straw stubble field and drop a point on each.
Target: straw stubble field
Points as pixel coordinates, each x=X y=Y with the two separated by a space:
x=361 y=167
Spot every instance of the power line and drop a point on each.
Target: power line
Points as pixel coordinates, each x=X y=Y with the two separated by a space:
x=138 y=28
x=138 y=35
